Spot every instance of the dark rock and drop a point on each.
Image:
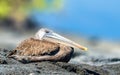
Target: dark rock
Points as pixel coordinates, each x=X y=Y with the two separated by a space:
x=9 y=66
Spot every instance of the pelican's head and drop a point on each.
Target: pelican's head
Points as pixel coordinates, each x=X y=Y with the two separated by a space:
x=49 y=35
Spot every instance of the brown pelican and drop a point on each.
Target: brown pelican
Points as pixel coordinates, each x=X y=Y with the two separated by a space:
x=46 y=45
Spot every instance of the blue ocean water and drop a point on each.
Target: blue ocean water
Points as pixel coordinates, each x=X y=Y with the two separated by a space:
x=90 y=17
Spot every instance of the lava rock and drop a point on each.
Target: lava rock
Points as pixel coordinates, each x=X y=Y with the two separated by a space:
x=9 y=66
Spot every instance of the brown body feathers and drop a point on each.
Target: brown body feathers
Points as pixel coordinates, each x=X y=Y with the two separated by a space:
x=41 y=50
x=34 y=47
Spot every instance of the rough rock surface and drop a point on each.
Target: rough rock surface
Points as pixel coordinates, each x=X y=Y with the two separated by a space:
x=9 y=66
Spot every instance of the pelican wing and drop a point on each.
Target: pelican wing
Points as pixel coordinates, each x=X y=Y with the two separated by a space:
x=35 y=47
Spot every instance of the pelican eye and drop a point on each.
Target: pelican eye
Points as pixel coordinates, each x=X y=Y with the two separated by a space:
x=47 y=31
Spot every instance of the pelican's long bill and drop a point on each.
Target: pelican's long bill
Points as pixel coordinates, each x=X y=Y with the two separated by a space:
x=54 y=37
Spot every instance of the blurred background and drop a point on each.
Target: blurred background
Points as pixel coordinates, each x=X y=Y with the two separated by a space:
x=92 y=23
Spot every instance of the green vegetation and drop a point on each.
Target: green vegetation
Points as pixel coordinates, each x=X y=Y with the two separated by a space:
x=9 y=7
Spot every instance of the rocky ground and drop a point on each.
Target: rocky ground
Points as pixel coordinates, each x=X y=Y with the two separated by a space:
x=9 y=66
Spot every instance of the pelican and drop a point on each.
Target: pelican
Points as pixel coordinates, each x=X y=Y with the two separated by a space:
x=46 y=45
